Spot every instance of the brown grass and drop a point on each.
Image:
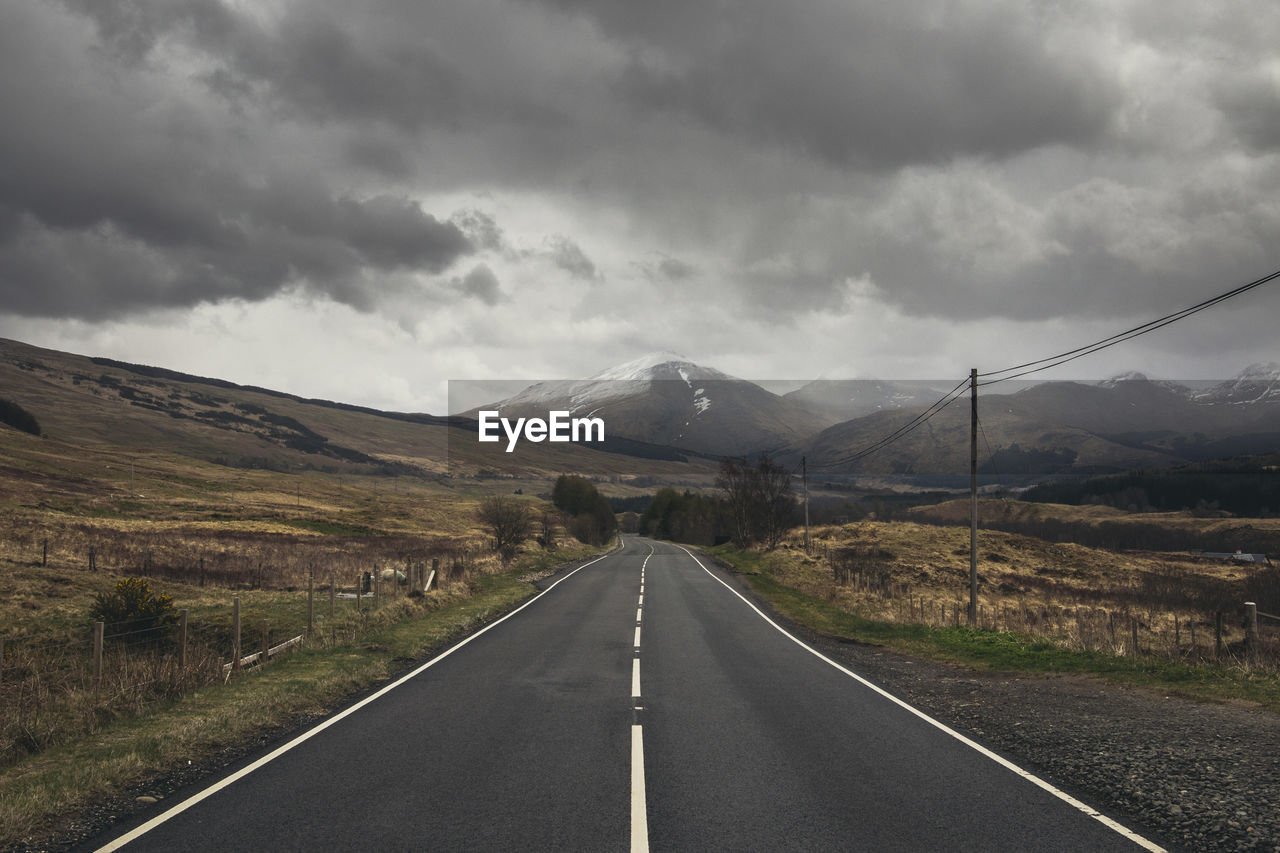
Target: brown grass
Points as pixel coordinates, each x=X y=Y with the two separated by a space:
x=1079 y=597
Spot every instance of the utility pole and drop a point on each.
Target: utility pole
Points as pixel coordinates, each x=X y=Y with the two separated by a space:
x=804 y=479
x=973 y=496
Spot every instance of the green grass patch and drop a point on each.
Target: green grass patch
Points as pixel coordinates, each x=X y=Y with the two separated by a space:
x=1002 y=651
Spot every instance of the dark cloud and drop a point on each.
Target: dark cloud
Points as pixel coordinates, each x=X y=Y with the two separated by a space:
x=674 y=269
x=1251 y=103
x=113 y=200
x=568 y=256
x=865 y=83
x=481 y=228
x=481 y=283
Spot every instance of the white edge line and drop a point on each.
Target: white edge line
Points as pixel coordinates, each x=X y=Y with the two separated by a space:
x=639 y=812
x=1003 y=762
x=139 y=831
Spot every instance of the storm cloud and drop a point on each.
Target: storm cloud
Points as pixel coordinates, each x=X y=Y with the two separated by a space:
x=768 y=164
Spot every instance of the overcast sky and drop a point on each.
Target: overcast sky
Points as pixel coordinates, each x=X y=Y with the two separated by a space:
x=361 y=201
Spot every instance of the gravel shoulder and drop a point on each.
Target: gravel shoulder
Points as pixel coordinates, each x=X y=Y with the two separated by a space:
x=1197 y=776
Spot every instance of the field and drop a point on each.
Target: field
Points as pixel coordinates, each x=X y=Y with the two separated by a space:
x=906 y=584
x=76 y=519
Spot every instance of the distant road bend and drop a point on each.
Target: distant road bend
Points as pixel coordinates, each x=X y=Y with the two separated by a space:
x=639 y=702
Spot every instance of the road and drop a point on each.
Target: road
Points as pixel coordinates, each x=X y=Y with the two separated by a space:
x=639 y=703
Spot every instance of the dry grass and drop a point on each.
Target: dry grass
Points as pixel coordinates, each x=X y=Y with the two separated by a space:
x=1082 y=598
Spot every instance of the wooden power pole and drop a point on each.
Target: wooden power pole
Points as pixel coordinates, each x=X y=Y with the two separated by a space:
x=973 y=496
x=804 y=479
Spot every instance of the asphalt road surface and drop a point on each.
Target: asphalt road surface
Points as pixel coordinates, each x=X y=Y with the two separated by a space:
x=639 y=703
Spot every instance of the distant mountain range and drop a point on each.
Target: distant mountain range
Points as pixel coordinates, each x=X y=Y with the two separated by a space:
x=1028 y=430
x=663 y=398
x=666 y=415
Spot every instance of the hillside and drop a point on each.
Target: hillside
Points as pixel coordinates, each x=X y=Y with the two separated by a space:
x=1066 y=428
x=85 y=404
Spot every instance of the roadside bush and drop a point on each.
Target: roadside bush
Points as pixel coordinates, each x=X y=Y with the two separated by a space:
x=134 y=612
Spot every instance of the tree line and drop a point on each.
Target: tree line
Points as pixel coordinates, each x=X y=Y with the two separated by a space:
x=755 y=506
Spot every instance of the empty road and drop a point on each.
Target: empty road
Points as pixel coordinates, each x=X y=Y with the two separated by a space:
x=638 y=703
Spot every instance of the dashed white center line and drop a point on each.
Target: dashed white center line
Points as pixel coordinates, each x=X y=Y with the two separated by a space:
x=639 y=811
x=635 y=678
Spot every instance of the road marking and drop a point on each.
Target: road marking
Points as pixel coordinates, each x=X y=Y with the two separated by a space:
x=635 y=678
x=195 y=799
x=639 y=812
x=1003 y=762
x=637 y=642
x=637 y=614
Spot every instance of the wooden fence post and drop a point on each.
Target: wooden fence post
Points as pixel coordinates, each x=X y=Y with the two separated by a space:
x=1251 y=629
x=93 y=559
x=1192 y=623
x=1133 y=622
x=311 y=592
x=266 y=642
x=182 y=640
x=98 y=629
x=1 y=660
x=44 y=552
x=333 y=594
x=235 y=632
x=1217 y=633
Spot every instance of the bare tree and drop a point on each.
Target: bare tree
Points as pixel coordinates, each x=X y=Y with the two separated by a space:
x=508 y=520
x=759 y=499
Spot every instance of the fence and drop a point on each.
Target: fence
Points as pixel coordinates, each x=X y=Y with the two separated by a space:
x=57 y=684
x=1240 y=634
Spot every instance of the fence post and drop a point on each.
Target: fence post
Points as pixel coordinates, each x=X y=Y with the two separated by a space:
x=1 y=660
x=359 y=588
x=1251 y=629
x=1217 y=633
x=44 y=552
x=1194 y=650
x=93 y=559
x=235 y=631
x=266 y=642
x=333 y=593
x=182 y=640
x=311 y=592
x=1133 y=622
x=98 y=628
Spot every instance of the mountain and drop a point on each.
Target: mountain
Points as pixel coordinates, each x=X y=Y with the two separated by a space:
x=1258 y=384
x=1056 y=428
x=92 y=405
x=665 y=399
x=846 y=399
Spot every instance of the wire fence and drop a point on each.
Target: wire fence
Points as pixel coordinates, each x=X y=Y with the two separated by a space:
x=1235 y=635
x=58 y=684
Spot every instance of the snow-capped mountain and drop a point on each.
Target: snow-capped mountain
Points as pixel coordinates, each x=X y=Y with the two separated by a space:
x=1128 y=421
x=664 y=398
x=1257 y=383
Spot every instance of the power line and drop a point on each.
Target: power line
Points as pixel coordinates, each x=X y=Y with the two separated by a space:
x=1137 y=331
x=919 y=420
x=1039 y=365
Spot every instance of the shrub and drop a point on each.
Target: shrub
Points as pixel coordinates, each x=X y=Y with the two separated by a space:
x=133 y=611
